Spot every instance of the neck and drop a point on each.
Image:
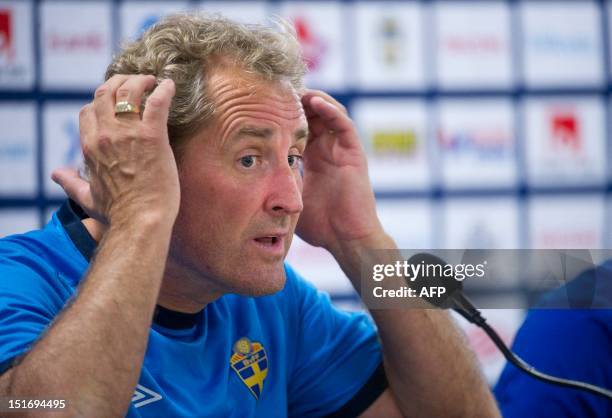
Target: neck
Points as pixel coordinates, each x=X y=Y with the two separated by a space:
x=185 y=291
x=181 y=290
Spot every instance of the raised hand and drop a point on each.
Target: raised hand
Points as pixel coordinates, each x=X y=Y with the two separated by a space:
x=132 y=170
x=339 y=205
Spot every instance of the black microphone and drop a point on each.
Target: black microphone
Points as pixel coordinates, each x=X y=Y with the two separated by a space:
x=454 y=298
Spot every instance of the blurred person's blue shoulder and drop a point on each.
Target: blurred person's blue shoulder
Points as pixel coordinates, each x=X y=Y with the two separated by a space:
x=589 y=291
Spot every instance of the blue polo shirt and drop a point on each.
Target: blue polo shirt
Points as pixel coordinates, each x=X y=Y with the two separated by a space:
x=288 y=354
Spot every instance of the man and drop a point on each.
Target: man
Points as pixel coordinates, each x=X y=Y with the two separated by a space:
x=186 y=307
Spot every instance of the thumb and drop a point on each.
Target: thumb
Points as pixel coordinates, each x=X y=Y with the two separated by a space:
x=76 y=188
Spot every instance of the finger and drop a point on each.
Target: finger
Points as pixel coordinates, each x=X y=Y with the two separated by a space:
x=87 y=125
x=158 y=105
x=316 y=126
x=104 y=99
x=131 y=91
x=333 y=117
x=309 y=112
x=319 y=93
x=75 y=187
x=334 y=121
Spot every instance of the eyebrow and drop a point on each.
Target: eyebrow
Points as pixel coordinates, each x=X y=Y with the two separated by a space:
x=301 y=134
x=266 y=133
x=253 y=131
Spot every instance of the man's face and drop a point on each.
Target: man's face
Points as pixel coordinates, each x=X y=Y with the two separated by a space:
x=241 y=188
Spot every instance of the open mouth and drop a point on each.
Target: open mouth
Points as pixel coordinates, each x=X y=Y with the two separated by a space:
x=267 y=240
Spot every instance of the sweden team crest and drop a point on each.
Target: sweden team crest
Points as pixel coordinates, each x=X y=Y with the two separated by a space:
x=250 y=363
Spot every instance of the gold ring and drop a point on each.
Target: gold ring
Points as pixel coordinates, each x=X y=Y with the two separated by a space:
x=126 y=107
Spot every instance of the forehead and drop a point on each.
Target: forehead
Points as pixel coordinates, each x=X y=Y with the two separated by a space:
x=227 y=78
x=240 y=97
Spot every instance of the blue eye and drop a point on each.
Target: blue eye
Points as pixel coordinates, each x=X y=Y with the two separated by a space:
x=247 y=161
x=295 y=161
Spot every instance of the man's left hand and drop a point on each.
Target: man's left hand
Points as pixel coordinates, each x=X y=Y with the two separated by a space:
x=339 y=205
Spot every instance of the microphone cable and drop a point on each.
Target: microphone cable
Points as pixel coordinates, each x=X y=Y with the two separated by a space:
x=473 y=315
x=456 y=300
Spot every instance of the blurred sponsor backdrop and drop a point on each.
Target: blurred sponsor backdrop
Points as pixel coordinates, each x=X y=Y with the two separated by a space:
x=486 y=123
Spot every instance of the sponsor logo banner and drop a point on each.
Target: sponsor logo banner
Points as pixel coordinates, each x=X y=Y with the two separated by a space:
x=473 y=45
x=75 y=52
x=394 y=134
x=562 y=44
x=321 y=33
x=389 y=46
x=565 y=141
x=136 y=17
x=16 y=45
x=62 y=146
x=476 y=144
x=18 y=149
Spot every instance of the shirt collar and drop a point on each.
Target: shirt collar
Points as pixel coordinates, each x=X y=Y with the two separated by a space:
x=70 y=214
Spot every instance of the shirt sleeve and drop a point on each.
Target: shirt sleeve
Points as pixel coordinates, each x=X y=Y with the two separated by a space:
x=337 y=369
x=572 y=344
x=29 y=301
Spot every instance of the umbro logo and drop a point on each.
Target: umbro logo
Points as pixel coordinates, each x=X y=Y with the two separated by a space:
x=143 y=396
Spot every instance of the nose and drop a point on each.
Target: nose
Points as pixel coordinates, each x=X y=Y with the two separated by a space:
x=284 y=192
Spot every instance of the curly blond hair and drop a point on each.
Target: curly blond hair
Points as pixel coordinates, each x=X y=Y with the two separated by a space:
x=186 y=48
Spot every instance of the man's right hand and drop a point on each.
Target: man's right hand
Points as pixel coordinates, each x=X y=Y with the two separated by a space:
x=92 y=353
x=132 y=170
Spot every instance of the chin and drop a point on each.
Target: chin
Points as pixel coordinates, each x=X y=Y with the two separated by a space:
x=258 y=280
